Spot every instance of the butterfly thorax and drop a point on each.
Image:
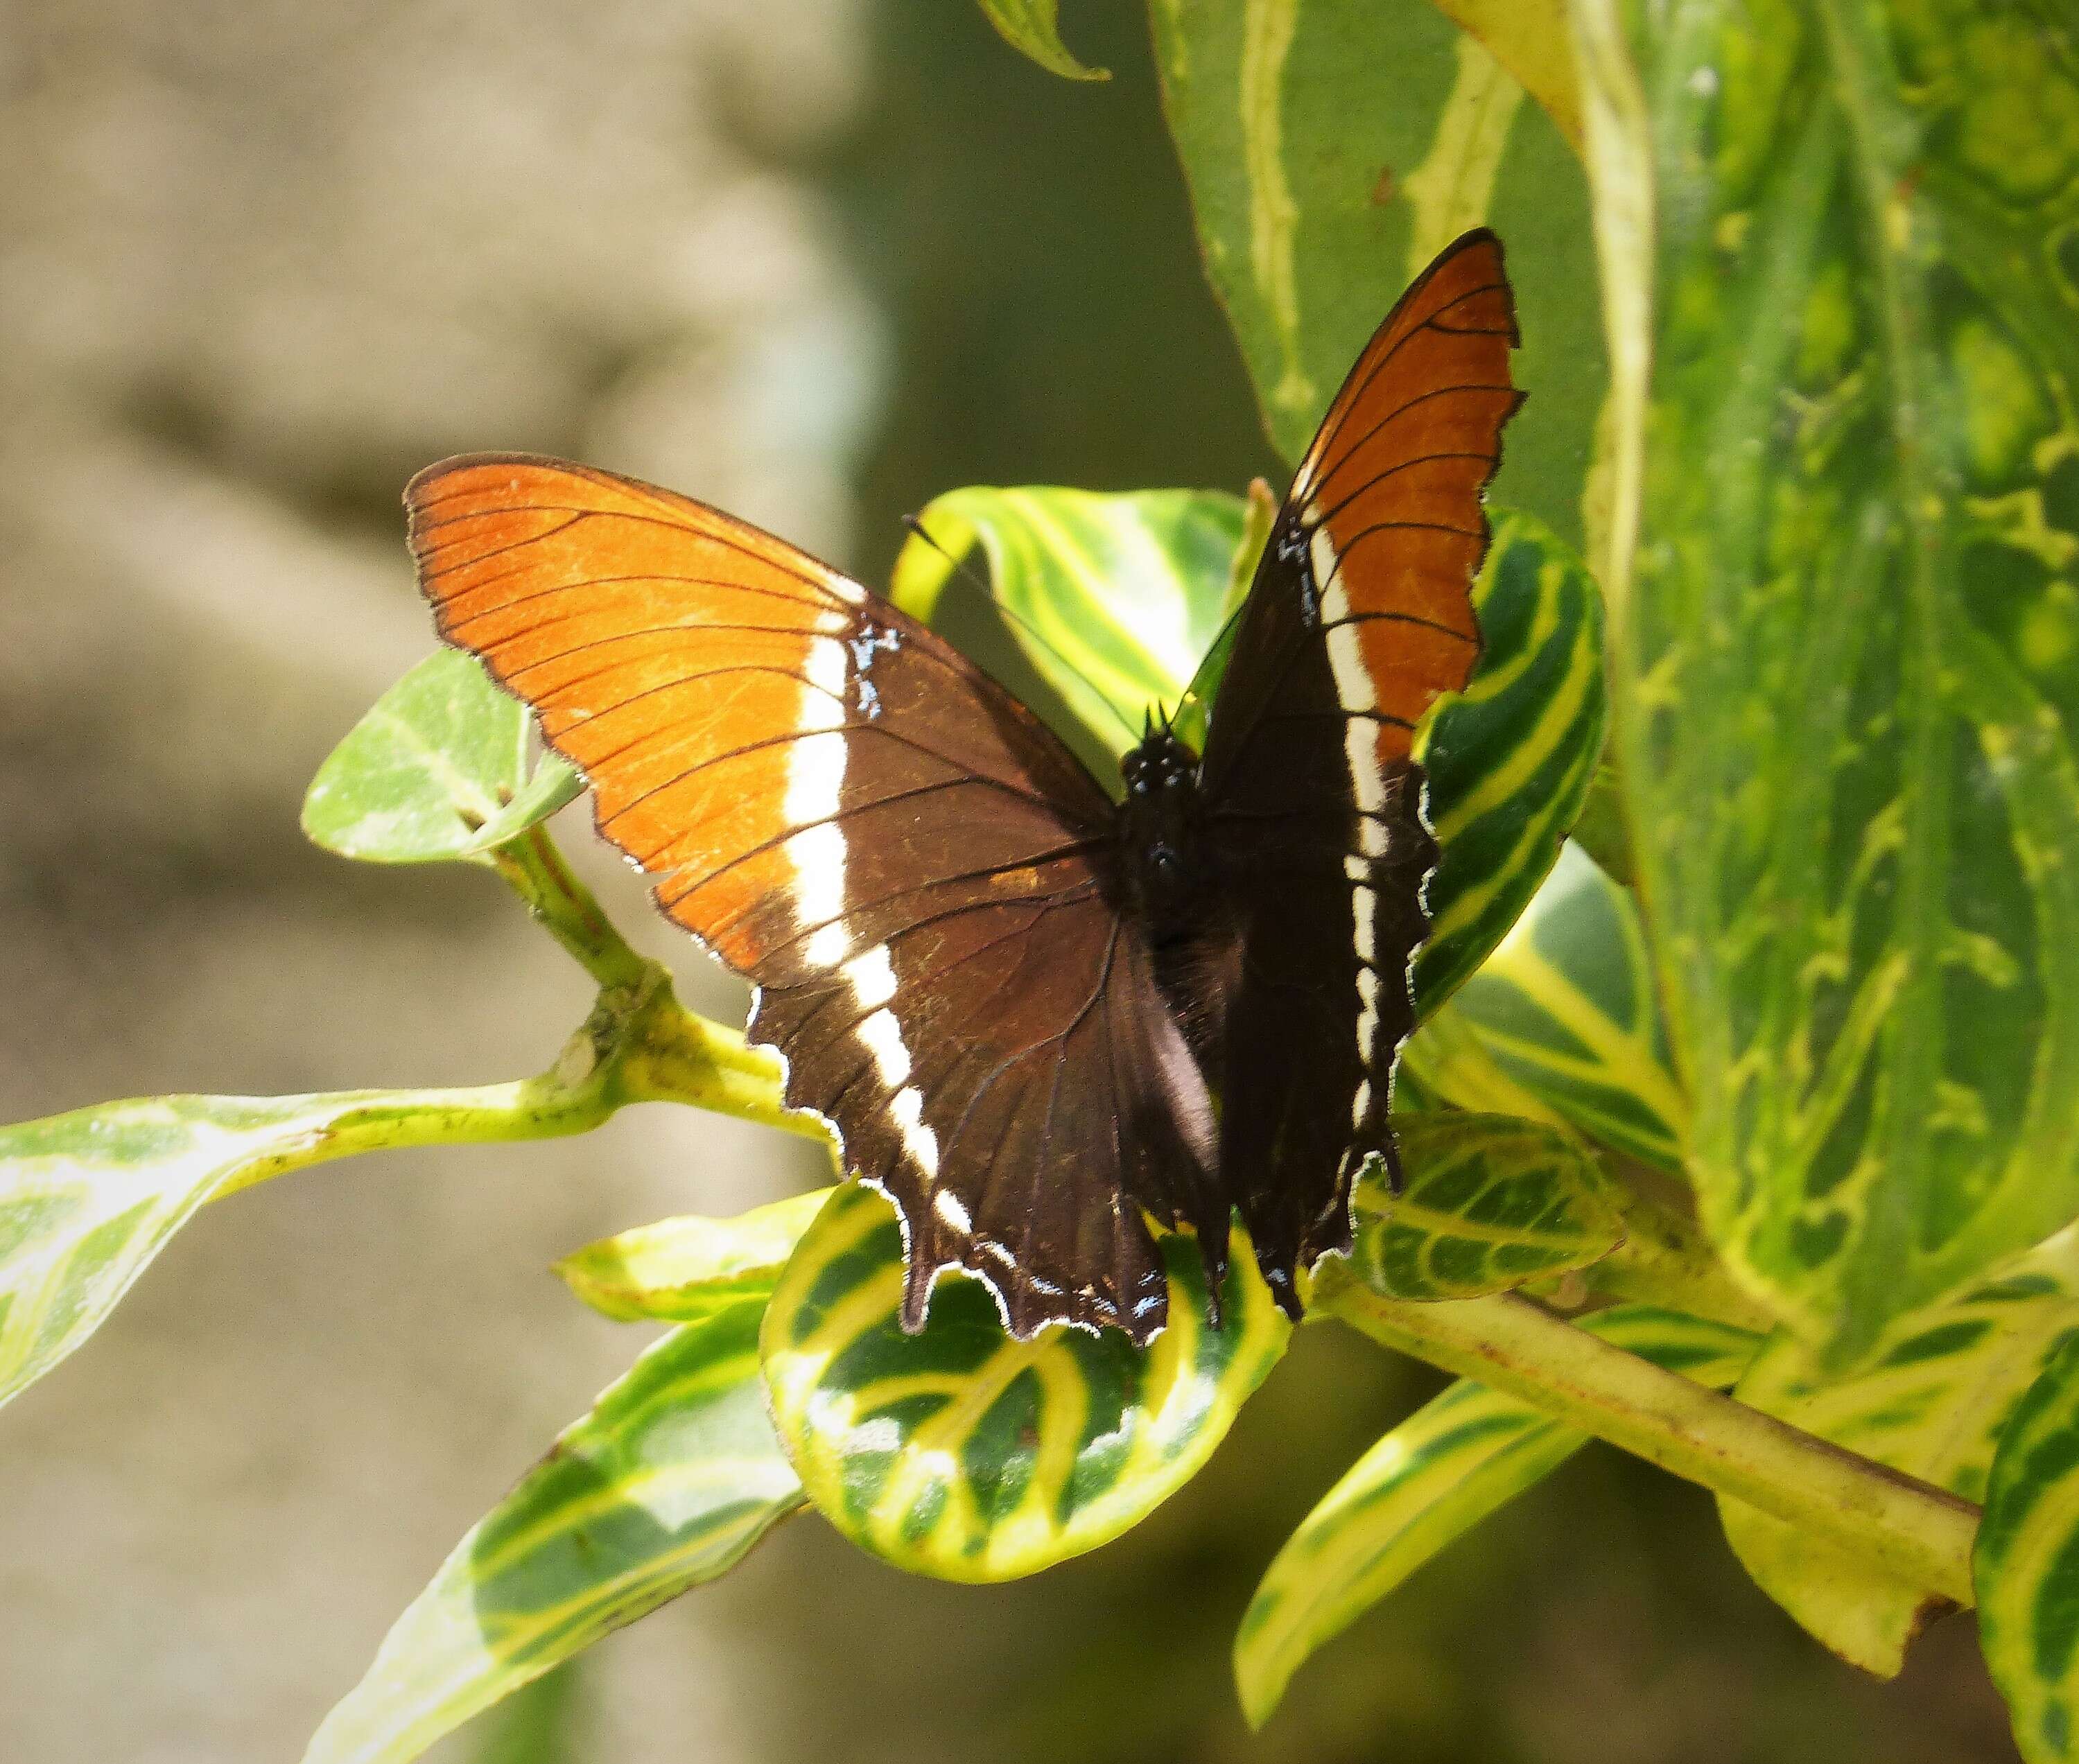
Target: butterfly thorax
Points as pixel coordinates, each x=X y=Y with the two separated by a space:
x=1160 y=837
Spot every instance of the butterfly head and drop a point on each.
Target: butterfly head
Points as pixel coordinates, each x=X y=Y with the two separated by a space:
x=1159 y=823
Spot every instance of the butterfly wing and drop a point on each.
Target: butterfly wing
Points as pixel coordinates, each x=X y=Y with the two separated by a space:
x=1359 y=618
x=913 y=871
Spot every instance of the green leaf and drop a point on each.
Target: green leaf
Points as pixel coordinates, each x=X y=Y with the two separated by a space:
x=1510 y=759
x=1112 y=599
x=2022 y=1568
x=1332 y=147
x=962 y=1453
x=1530 y=39
x=682 y=1270
x=87 y=1199
x=1850 y=665
x=1933 y=1401
x=1030 y=25
x=1193 y=714
x=666 y=1483
x=1492 y=1203
x=438 y=770
x=1452 y=1463
x=1561 y=1023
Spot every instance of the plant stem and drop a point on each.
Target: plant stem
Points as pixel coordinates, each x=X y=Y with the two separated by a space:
x=1909 y=1529
x=346 y=1123
x=566 y=907
x=681 y=1057
x=639 y=1045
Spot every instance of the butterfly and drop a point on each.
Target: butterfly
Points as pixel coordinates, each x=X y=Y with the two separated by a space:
x=1012 y=995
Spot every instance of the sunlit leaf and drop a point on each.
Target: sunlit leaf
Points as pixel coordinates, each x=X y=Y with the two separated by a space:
x=1492 y=1203
x=1193 y=719
x=87 y=1199
x=1112 y=599
x=438 y=769
x=667 y=1482
x=1561 y=1022
x=1429 y=1481
x=962 y=1453
x=2023 y=1567
x=1932 y=1400
x=1332 y=148
x=681 y=1269
x=1032 y=26
x=1850 y=666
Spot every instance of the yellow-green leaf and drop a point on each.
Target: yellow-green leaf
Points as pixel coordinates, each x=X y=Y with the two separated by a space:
x=962 y=1453
x=2025 y=1566
x=1561 y=1023
x=1530 y=39
x=1934 y=1400
x=1032 y=26
x=1492 y=1203
x=87 y=1199
x=666 y=1483
x=1112 y=599
x=1445 y=1468
x=1849 y=660
x=681 y=1269
x=439 y=769
x=1510 y=759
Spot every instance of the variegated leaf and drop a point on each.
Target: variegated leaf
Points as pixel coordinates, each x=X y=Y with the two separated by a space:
x=87 y=1199
x=1112 y=599
x=680 y=1270
x=1561 y=1023
x=1934 y=1400
x=666 y=1483
x=1333 y=147
x=1849 y=662
x=963 y=1453
x=439 y=769
x=1492 y=1203
x=2025 y=1567
x=1510 y=759
x=1425 y=1484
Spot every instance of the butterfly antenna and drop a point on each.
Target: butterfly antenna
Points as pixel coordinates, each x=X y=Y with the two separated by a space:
x=981 y=582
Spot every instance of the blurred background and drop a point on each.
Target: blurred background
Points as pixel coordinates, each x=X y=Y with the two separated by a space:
x=816 y=260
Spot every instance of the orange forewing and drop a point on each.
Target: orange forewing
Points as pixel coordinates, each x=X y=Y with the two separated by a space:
x=581 y=592
x=1396 y=474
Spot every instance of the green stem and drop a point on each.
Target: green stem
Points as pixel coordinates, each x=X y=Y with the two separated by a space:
x=639 y=1045
x=1908 y=1528
x=681 y=1057
x=566 y=907
x=353 y=1121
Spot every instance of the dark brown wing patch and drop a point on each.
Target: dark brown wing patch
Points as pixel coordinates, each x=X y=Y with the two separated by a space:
x=1360 y=618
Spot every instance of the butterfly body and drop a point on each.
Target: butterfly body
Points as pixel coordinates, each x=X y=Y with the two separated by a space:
x=1014 y=998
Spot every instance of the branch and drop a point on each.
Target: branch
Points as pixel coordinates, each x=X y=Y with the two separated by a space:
x=1909 y=1529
